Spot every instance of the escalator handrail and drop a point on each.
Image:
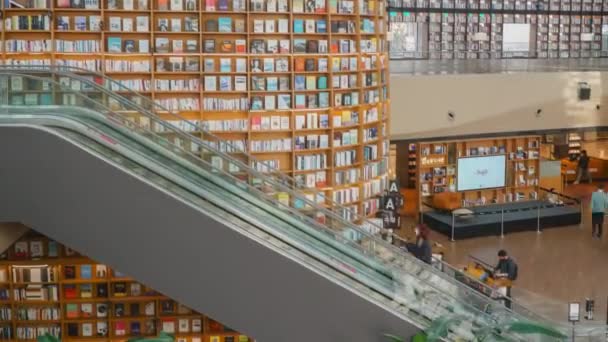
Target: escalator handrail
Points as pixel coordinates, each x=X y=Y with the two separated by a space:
x=471 y=308
x=392 y=248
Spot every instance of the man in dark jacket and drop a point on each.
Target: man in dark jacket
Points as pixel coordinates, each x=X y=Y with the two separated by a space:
x=506 y=268
x=582 y=168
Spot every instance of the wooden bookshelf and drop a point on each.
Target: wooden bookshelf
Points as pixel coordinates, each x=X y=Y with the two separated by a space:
x=249 y=70
x=437 y=170
x=46 y=287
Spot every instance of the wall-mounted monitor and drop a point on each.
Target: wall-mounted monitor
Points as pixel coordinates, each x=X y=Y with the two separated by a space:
x=476 y=173
x=516 y=37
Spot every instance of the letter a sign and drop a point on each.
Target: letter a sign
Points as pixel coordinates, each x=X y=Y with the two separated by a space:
x=393 y=186
x=389 y=203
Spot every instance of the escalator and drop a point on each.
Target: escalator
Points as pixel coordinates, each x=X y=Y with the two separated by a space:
x=93 y=179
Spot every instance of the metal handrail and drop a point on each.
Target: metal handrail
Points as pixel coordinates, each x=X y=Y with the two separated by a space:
x=396 y=251
x=103 y=106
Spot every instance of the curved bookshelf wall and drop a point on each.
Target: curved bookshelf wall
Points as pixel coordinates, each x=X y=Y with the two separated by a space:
x=302 y=84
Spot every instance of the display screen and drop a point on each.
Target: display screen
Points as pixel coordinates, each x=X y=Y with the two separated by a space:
x=516 y=38
x=476 y=173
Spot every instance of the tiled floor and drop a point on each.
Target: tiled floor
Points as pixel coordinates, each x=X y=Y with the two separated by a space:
x=555 y=267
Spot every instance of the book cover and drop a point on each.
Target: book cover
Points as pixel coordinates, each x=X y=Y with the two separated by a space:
x=210 y=83
x=183 y=325
x=115 y=24
x=299 y=45
x=299 y=83
x=272 y=84
x=223 y=5
x=162 y=45
x=168 y=326
x=209 y=46
x=225 y=24
x=225 y=83
x=311 y=83
x=129 y=46
x=71 y=310
x=241 y=46
x=258 y=46
x=283 y=83
x=258 y=26
x=241 y=65
x=80 y=23
x=209 y=65
x=239 y=25
x=226 y=46
x=120 y=328
x=191 y=45
x=85 y=271
x=283 y=26
x=268 y=64
x=87 y=329
x=102 y=328
x=284 y=101
x=284 y=46
x=310 y=26
x=86 y=309
x=177 y=46
x=149 y=309
x=298 y=26
x=176 y=5
x=191 y=5
x=72 y=329
x=114 y=44
x=86 y=290
x=144 y=46
x=69 y=272
x=269 y=26
x=272 y=46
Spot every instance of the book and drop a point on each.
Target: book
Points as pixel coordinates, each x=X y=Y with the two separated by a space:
x=226 y=46
x=129 y=46
x=162 y=45
x=191 y=5
x=144 y=46
x=209 y=46
x=176 y=5
x=176 y=25
x=224 y=24
x=102 y=328
x=86 y=271
x=115 y=24
x=142 y=24
x=87 y=329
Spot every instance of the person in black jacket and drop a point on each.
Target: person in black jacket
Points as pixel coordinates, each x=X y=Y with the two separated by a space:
x=582 y=168
x=422 y=248
x=506 y=268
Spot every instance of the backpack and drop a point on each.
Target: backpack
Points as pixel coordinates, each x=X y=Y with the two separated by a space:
x=514 y=270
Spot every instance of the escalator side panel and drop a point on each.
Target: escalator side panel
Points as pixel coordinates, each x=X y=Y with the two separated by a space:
x=116 y=218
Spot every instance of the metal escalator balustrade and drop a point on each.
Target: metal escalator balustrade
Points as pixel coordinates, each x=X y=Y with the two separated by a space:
x=406 y=269
x=427 y=311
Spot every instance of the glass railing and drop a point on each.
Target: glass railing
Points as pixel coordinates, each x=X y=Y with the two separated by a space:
x=414 y=277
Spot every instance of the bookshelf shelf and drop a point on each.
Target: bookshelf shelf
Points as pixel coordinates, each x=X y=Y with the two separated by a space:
x=83 y=306
x=219 y=48
x=436 y=171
